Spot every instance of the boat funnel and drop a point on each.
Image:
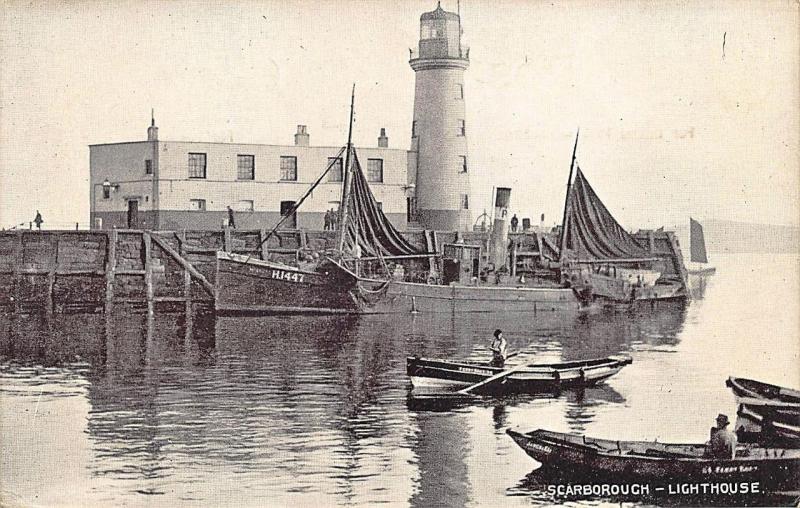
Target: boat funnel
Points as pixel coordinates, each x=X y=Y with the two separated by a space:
x=500 y=230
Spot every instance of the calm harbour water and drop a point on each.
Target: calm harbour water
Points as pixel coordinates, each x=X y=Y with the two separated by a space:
x=279 y=411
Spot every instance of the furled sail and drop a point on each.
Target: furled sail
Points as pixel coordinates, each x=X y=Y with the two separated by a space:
x=697 y=242
x=591 y=231
x=366 y=225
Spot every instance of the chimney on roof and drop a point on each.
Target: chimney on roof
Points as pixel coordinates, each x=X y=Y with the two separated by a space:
x=383 y=141
x=152 y=131
x=301 y=138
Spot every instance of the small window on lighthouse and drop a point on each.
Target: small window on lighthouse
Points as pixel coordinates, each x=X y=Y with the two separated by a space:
x=459 y=91
x=465 y=201
x=413 y=128
x=462 y=164
x=462 y=128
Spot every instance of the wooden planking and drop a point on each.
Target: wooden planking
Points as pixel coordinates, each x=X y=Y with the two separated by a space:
x=185 y=264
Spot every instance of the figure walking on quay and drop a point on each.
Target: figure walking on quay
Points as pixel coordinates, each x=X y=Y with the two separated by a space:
x=38 y=220
x=231 y=221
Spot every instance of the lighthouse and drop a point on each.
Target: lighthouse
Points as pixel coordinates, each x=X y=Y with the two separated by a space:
x=439 y=131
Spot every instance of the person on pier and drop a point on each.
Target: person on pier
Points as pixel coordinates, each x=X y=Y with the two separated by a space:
x=499 y=349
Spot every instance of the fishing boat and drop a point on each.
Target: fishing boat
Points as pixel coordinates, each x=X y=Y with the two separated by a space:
x=698 y=259
x=339 y=282
x=446 y=375
x=356 y=276
x=772 y=468
x=598 y=255
x=766 y=412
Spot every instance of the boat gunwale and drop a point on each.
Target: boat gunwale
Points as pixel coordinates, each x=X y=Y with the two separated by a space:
x=623 y=449
x=614 y=360
x=736 y=385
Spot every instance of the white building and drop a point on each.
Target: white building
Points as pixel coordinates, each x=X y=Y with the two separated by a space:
x=157 y=184
x=172 y=185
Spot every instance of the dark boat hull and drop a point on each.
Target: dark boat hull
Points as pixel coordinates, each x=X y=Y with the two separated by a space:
x=773 y=468
x=443 y=375
x=250 y=285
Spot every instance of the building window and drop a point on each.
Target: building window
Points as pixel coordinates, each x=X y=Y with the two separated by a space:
x=335 y=174
x=462 y=159
x=413 y=128
x=288 y=211
x=465 y=201
x=459 y=91
x=245 y=167
x=375 y=170
x=380 y=205
x=148 y=167
x=197 y=205
x=106 y=192
x=244 y=205
x=197 y=165
x=462 y=128
x=288 y=168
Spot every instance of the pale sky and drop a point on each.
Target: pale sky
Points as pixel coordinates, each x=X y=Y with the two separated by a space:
x=672 y=123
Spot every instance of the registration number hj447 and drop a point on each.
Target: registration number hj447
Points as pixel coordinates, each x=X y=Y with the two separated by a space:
x=287 y=276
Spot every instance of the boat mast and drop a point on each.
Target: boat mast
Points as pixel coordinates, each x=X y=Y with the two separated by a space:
x=348 y=179
x=563 y=240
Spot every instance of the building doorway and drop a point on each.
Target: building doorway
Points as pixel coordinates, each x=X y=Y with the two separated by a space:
x=287 y=210
x=133 y=213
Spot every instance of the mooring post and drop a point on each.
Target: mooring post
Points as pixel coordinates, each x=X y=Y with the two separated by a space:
x=188 y=317
x=148 y=270
x=111 y=268
x=263 y=245
x=227 y=232
x=51 y=275
x=19 y=256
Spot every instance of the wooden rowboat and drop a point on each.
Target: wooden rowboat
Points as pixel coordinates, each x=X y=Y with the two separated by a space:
x=445 y=375
x=766 y=413
x=650 y=461
x=758 y=390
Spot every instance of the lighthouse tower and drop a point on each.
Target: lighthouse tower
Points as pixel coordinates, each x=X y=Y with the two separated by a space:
x=439 y=132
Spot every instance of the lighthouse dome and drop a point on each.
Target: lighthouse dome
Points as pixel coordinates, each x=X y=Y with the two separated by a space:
x=438 y=13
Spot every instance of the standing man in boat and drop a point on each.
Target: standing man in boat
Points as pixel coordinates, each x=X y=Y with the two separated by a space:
x=723 y=441
x=498 y=348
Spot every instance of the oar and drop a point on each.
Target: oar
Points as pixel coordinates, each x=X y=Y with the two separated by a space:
x=495 y=378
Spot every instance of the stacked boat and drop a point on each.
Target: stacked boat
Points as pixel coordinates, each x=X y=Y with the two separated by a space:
x=766 y=413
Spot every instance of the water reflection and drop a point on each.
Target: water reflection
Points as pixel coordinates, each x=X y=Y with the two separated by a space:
x=290 y=409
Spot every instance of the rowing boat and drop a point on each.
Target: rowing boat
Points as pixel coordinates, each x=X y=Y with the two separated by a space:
x=759 y=390
x=766 y=413
x=446 y=375
x=659 y=462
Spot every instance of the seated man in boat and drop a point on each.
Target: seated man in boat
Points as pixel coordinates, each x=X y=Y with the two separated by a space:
x=723 y=442
x=498 y=348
